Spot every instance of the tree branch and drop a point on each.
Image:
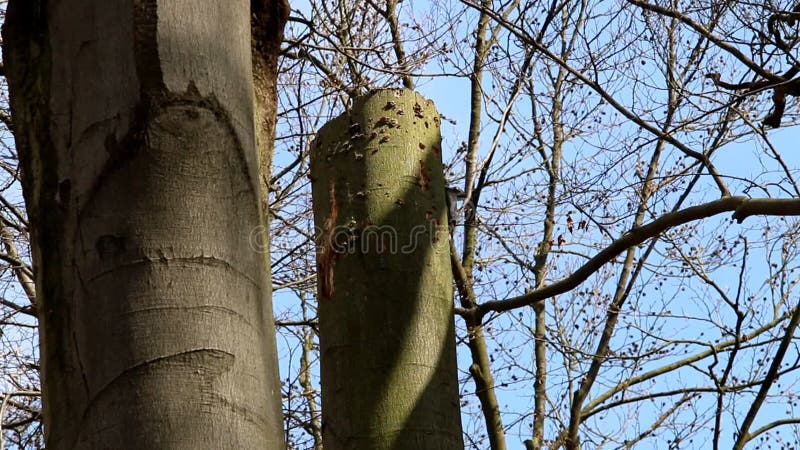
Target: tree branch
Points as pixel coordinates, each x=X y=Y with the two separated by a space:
x=710 y=36
x=742 y=207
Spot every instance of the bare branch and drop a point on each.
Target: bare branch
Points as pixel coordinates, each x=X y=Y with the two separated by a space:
x=741 y=206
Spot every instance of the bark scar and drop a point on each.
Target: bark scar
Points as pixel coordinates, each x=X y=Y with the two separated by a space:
x=327 y=256
x=424 y=178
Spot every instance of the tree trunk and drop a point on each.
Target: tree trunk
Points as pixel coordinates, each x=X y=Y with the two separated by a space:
x=389 y=377
x=134 y=122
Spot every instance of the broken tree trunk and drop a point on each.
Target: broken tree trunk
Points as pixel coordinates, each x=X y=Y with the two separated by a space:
x=389 y=376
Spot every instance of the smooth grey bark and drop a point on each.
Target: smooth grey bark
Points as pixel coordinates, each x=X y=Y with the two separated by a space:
x=389 y=376
x=134 y=122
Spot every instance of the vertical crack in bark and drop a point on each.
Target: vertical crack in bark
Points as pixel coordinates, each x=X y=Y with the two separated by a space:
x=267 y=22
x=148 y=63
